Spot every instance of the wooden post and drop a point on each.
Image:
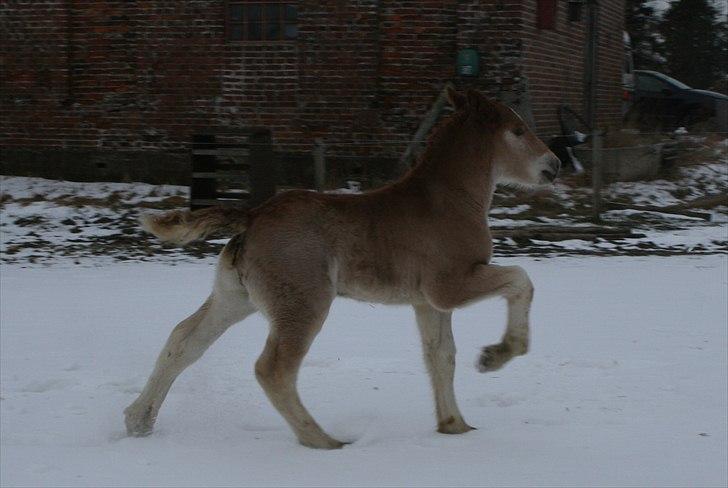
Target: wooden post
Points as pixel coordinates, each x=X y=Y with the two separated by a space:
x=319 y=164
x=203 y=189
x=597 y=174
x=263 y=171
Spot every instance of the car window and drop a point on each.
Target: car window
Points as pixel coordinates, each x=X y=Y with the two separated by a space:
x=651 y=84
x=678 y=84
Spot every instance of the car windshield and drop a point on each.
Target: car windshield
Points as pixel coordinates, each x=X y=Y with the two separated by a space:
x=673 y=81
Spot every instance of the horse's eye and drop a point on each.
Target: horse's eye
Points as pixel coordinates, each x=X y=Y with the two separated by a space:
x=519 y=131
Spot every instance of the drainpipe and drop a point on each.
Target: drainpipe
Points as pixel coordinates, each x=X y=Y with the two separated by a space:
x=590 y=63
x=69 y=54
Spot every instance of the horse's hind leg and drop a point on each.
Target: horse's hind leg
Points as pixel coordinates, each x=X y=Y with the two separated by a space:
x=439 y=351
x=227 y=305
x=293 y=328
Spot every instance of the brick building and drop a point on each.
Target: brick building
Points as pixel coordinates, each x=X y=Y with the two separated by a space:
x=117 y=88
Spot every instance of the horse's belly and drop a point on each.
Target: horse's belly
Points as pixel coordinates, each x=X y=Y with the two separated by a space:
x=371 y=288
x=380 y=295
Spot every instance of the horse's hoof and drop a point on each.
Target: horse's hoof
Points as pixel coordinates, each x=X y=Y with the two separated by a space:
x=139 y=422
x=454 y=426
x=328 y=444
x=492 y=358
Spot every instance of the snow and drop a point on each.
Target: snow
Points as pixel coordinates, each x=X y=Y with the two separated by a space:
x=50 y=220
x=516 y=209
x=18 y=187
x=694 y=182
x=625 y=384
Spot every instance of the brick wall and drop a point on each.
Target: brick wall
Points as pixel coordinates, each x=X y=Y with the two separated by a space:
x=554 y=64
x=338 y=71
x=141 y=76
x=109 y=75
x=495 y=29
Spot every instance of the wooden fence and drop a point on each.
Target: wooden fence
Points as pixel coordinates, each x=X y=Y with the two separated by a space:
x=241 y=173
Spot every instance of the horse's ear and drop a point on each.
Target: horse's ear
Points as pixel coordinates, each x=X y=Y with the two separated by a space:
x=456 y=99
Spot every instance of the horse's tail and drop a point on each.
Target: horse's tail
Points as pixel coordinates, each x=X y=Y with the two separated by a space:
x=183 y=226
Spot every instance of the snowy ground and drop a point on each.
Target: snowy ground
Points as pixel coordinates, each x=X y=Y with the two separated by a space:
x=625 y=384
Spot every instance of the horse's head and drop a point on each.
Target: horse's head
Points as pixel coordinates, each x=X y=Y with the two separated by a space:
x=515 y=154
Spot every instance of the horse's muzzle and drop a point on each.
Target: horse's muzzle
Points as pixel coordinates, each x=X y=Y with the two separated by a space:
x=554 y=165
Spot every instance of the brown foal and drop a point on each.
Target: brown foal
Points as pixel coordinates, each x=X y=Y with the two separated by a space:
x=423 y=240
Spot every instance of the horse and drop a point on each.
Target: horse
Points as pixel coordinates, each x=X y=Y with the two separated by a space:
x=422 y=240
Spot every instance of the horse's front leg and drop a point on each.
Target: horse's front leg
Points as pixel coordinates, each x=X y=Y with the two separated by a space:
x=438 y=347
x=519 y=294
x=484 y=281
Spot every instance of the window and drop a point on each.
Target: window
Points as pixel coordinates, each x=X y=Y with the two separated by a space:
x=261 y=21
x=546 y=14
x=651 y=84
x=574 y=10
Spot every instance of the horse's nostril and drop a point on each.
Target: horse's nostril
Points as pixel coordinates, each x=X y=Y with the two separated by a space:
x=555 y=165
x=550 y=166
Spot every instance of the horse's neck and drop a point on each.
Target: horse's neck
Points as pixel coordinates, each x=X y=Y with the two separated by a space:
x=455 y=178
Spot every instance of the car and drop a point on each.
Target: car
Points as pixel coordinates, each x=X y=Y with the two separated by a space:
x=659 y=102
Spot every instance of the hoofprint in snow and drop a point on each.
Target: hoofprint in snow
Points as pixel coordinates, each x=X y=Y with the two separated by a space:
x=625 y=384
